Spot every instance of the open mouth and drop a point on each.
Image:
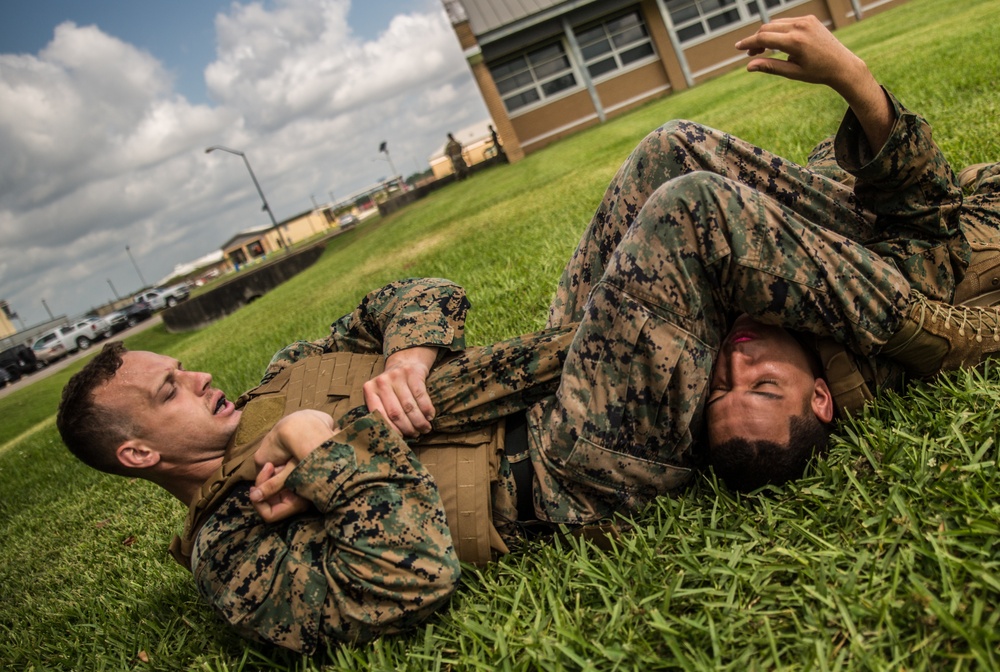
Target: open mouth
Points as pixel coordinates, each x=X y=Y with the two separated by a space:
x=220 y=404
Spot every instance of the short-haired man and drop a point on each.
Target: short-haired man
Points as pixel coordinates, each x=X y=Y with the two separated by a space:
x=312 y=520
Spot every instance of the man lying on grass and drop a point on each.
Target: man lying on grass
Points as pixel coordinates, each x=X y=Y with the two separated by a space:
x=334 y=501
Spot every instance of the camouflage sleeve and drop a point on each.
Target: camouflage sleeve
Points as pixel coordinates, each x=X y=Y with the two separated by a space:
x=403 y=314
x=823 y=160
x=908 y=182
x=375 y=557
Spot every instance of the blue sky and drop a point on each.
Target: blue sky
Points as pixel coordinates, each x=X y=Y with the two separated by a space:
x=180 y=33
x=106 y=107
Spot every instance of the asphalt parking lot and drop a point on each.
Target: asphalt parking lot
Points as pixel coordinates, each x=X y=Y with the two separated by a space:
x=66 y=361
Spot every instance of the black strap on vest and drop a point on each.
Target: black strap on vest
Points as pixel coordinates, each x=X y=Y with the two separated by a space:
x=515 y=443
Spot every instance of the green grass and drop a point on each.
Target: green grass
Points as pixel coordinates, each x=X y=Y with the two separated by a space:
x=883 y=557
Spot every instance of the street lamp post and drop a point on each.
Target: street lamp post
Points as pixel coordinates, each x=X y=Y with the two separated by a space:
x=384 y=148
x=137 y=271
x=260 y=191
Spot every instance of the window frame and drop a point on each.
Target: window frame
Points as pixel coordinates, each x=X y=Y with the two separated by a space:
x=538 y=83
x=616 y=51
x=748 y=10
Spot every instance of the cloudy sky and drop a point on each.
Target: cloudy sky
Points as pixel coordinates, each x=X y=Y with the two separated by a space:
x=107 y=106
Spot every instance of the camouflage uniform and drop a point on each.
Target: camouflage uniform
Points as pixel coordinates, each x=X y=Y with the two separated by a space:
x=696 y=227
x=376 y=555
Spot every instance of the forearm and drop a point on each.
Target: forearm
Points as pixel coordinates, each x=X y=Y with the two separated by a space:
x=377 y=559
x=868 y=101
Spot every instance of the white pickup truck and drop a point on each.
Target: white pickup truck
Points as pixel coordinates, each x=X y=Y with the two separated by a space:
x=163 y=297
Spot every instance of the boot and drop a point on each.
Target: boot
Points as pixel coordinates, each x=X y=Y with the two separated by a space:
x=969 y=176
x=981 y=284
x=938 y=337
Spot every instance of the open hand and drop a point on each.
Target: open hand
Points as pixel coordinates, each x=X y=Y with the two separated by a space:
x=814 y=54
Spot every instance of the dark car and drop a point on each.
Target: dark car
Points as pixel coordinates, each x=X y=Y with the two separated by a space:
x=129 y=316
x=18 y=361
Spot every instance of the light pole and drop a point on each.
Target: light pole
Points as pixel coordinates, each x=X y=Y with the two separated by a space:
x=51 y=317
x=113 y=290
x=260 y=191
x=137 y=271
x=384 y=148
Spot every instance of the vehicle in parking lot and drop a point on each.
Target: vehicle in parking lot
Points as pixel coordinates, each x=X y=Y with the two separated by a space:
x=5 y=378
x=17 y=361
x=129 y=316
x=164 y=297
x=88 y=330
x=57 y=343
x=50 y=346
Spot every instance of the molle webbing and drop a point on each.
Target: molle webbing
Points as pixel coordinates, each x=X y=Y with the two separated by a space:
x=463 y=464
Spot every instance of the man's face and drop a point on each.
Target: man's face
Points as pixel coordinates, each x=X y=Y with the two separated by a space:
x=176 y=413
x=762 y=378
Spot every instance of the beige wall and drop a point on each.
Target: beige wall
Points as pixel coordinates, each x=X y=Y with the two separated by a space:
x=6 y=327
x=474 y=152
x=536 y=128
x=295 y=231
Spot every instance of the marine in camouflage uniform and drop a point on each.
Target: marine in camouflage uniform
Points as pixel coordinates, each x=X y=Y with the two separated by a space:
x=698 y=227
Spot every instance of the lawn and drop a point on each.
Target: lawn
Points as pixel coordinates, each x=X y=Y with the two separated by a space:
x=885 y=556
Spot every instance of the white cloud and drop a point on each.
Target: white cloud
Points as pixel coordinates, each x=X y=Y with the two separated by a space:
x=99 y=150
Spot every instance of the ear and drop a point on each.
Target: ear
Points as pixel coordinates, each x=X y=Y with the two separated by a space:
x=135 y=454
x=822 y=401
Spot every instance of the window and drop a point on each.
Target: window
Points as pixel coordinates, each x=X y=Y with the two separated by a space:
x=533 y=76
x=613 y=44
x=696 y=18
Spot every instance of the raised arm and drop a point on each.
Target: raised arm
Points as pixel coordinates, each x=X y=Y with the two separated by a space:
x=817 y=57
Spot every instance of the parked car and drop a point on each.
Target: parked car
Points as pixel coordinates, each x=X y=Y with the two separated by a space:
x=129 y=316
x=5 y=378
x=164 y=297
x=18 y=361
x=86 y=331
x=51 y=346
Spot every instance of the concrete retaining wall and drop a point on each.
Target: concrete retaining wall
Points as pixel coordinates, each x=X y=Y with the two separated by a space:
x=247 y=286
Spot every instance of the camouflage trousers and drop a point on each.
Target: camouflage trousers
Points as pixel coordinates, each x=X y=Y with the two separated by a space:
x=697 y=227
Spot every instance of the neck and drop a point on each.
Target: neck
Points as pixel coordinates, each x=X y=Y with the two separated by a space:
x=184 y=481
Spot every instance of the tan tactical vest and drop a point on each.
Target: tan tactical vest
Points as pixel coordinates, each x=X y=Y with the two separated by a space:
x=463 y=465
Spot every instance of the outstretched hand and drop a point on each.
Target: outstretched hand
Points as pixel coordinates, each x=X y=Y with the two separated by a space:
x=400 y=391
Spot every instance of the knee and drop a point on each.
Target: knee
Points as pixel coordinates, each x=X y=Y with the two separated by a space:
x=688 y=203
x=699 y=186
x=678 y=133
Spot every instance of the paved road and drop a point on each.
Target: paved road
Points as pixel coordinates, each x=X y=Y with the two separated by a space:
x=66 y=361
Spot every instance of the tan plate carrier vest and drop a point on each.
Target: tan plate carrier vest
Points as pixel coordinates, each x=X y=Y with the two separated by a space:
x=464 y=465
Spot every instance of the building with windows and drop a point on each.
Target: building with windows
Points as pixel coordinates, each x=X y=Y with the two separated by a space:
x=548 y=68
x=255 y=244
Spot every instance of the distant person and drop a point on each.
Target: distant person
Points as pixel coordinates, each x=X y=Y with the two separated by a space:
x=453 y=150
x=501 y=155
